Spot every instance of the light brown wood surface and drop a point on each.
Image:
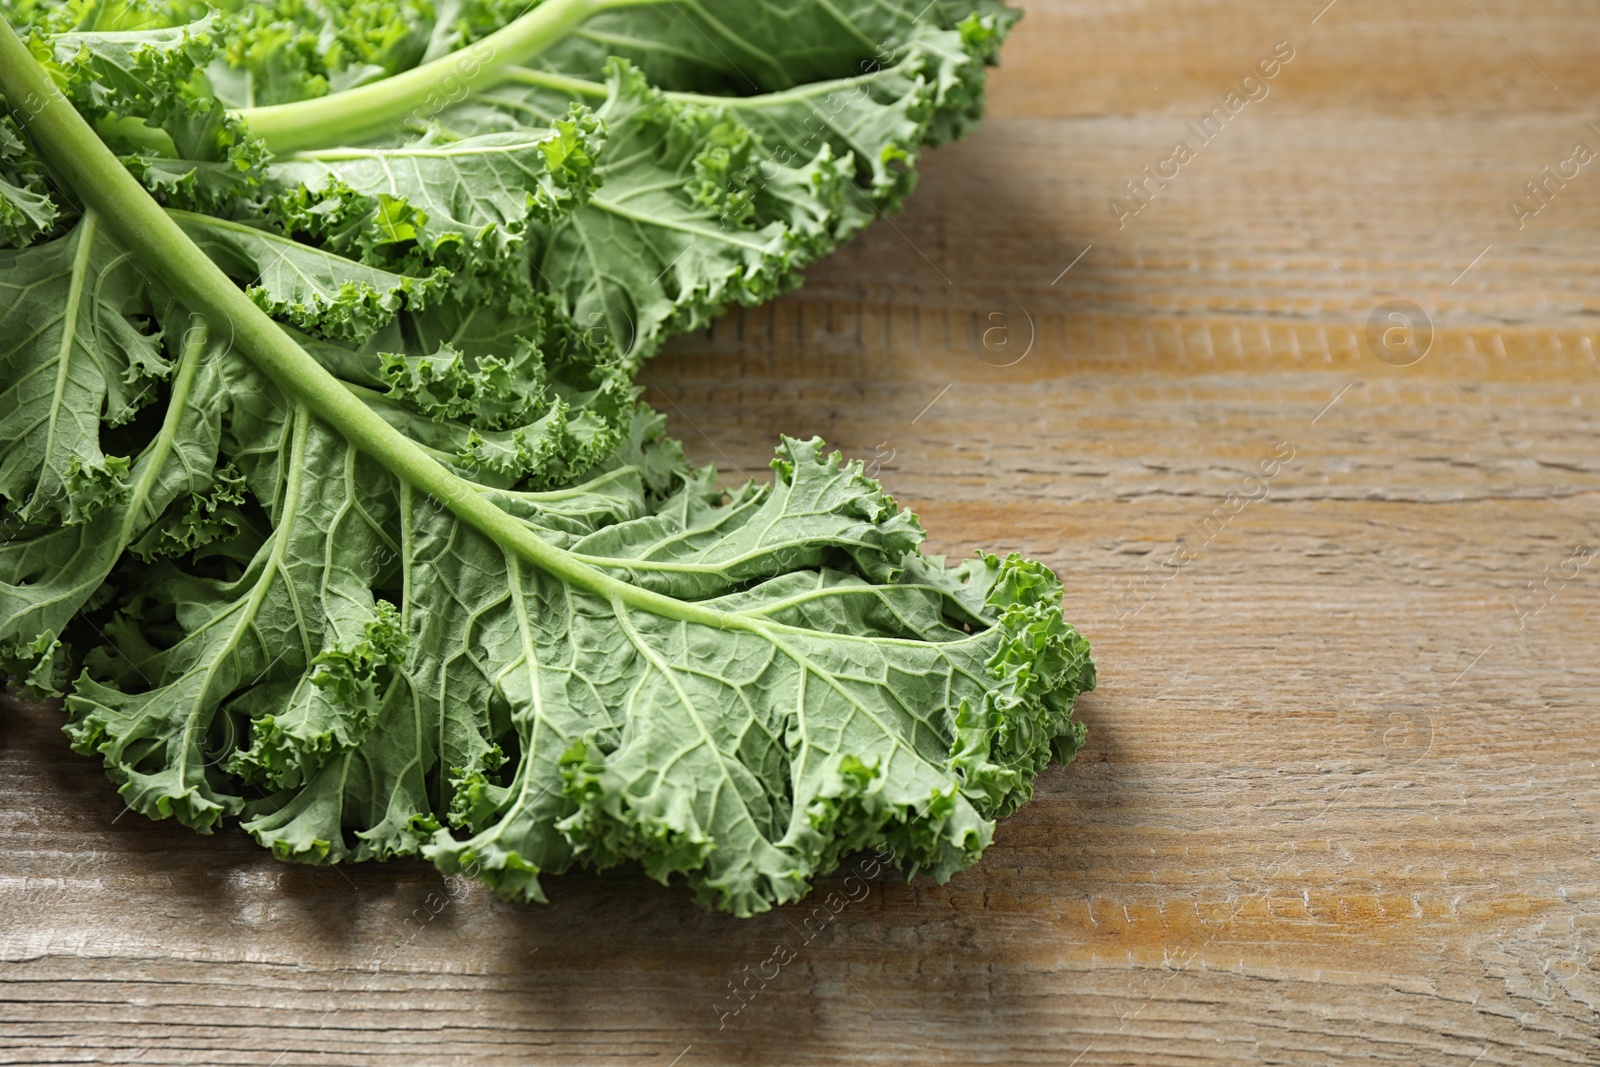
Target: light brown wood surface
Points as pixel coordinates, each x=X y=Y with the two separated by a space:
x=1341 y=800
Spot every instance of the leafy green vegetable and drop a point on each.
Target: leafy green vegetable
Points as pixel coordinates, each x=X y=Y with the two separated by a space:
x=321 y=443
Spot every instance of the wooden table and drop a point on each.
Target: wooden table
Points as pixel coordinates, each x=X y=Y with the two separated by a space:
x=1340 y=798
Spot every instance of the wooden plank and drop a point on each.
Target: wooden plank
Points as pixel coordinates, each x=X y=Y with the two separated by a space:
x=1341 y=796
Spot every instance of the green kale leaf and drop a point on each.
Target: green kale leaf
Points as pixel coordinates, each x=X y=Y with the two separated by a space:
x=326 y=494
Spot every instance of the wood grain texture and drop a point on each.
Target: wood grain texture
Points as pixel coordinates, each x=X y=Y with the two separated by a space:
x=1341 y=798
